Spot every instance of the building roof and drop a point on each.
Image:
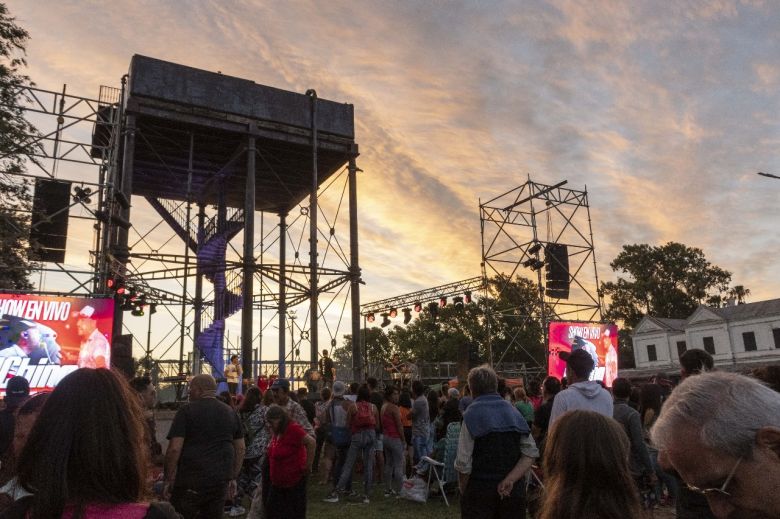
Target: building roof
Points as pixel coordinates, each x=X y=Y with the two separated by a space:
x=749 y=310
x=672 y=324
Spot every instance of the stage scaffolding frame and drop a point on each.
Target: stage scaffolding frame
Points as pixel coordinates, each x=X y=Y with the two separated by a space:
x=94 y=134
x=514 y=239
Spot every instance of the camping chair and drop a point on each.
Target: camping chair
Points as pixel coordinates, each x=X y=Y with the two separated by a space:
x=435 y=467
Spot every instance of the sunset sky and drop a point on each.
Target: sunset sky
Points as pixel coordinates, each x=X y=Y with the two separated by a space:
x=665 y=110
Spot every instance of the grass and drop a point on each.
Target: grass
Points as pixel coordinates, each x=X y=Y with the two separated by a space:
x=380 y=506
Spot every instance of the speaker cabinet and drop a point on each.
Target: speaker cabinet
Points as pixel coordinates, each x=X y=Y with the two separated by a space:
x=556 y=267
x=49 y=222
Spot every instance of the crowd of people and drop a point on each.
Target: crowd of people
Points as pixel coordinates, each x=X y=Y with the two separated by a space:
x=554 y=449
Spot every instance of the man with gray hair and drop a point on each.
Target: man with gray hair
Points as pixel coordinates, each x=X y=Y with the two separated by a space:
x=495 y=450
x=721 y=432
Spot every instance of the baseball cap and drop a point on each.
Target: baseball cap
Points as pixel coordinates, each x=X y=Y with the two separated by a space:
x=580 y=362
x=87 y=311
x=281 y=383
x=17 y=390
x=339 y=388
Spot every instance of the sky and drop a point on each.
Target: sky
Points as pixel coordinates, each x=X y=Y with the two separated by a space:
x=664 y=110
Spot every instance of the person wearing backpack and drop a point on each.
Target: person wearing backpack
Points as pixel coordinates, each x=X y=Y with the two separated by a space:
x=363 y=419
x=337 y=433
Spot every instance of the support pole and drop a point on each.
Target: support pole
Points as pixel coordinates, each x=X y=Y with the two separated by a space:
x=119 y=249
x=354 y=269
x=183 y=323
x=249 y=258
x=282 y=290
x=198 y=293
x=314 y=309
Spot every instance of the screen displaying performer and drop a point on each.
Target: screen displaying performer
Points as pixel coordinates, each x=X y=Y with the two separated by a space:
x=43 y=338
x=597 y=339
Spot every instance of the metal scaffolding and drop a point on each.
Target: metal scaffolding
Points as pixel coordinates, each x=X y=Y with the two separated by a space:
x=517 y=229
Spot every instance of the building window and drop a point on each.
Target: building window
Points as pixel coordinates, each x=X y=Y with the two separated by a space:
x=776 y=335
x=681 y=347
x=749 y=340
x=651 y=354
x=709 y=345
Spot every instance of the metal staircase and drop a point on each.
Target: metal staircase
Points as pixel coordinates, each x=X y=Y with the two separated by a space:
x=210 y=249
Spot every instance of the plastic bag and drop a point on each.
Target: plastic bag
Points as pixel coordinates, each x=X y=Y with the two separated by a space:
x=414 y=489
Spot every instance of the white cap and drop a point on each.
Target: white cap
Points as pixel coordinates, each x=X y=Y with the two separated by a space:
x=87 y=311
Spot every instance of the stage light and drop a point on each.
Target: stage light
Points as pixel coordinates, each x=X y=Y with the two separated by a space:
x=443 y=302
x=370 y=317
x=138 y=310
x=467 y=296
x=116 y=284
x=533 y=249
x=433 y=308
x=393 y=312
x=537 y=264
x=418 y=307
x=152 y=308
x=82 y=195
x=457 y=301
x=385 y=320
x=407 y=315
x=527 y=263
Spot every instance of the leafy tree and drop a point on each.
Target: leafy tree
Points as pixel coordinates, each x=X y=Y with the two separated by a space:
x=15 y=195
x=670 y=281
x=376 y=343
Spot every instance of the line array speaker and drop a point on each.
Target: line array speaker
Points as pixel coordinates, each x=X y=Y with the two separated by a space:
x=49 y=222
x=556 y=267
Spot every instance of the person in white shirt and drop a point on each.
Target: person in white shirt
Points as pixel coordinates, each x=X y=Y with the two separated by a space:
x=233 y=374
x=95 y=351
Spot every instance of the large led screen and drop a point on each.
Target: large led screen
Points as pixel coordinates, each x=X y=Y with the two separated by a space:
x=598 y=339
x=43 y=338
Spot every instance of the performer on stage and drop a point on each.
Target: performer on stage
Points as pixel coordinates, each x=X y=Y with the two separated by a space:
x=327 y=369
x=95 y=351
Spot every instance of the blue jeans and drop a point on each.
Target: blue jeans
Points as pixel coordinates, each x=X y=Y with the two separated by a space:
x=420 y=444
x=362 y=443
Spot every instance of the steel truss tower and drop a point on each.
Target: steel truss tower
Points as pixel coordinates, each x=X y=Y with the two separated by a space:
x=176 y=166
x=518 y=228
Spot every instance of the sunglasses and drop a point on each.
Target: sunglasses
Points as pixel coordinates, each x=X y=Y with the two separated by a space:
x=717 y=492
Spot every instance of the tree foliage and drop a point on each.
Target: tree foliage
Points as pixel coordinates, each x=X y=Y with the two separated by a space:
x=509 y=316
x=669 y=281
x=15 y=145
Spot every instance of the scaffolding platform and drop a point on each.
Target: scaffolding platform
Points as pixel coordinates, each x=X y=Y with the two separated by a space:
x=186 y=117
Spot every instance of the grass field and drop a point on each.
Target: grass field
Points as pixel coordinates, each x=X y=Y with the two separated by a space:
x=380 y=506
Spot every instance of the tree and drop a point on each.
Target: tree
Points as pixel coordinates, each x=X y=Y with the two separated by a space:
x=15 y=196
x=377 y=347
x=670 y=281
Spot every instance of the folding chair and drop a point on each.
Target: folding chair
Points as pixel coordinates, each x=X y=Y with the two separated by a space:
x=435 y=466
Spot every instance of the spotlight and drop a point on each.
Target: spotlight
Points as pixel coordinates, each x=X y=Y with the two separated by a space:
x=82 y=195
x=467 y=296
x=127 y=304
x=527 y=263
x=418 y=307
x=537 y=264
x=533 y=249
x=116 y=284
x=457 y=301
x=385 y=320
x=138 y=310
x=370 y=317
x=433 y=308
x=394 y=312
x=407 y=315
x=443 y=302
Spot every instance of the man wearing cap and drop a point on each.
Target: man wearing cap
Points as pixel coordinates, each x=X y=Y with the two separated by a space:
x=205 y=453
x=17 y=390
x=281 y=391
x=582 y=393
x=95 y=351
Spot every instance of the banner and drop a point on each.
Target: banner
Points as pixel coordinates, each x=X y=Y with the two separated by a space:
x=599 y=340
x=43 y=338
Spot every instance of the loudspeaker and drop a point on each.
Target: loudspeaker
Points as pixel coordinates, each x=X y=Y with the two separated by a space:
x=49 y=222
x=122 y=355
x=556 y=267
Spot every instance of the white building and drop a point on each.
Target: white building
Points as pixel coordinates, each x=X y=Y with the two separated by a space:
x=737 y=336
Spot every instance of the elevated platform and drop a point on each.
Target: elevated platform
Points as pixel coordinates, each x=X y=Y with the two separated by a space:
x=181 y=110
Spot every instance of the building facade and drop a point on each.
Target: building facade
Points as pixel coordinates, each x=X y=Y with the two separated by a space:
x=737 y=336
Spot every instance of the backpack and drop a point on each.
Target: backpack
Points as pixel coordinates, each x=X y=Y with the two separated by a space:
x=338 y=434
x=364 y=419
